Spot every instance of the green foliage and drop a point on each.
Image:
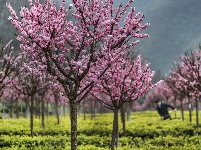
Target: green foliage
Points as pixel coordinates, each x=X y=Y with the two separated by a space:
x=144 y=131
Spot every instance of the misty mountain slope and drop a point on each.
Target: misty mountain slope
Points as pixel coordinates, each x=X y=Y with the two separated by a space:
x=175 y=28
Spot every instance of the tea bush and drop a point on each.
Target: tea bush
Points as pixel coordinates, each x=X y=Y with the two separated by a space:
x=145 y=131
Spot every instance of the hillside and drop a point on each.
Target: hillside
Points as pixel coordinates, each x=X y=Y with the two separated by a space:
x=174 y=28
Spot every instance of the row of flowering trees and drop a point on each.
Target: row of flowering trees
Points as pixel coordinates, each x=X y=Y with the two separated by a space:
x=185 y=80
x=21 y=81
x=181 y=86
x=86 y=56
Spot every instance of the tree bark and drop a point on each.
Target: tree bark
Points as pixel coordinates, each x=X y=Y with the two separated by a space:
x=64 y=110
x=84 y=111
x=115 y=134
x=189 y=110
x=197 y=115
x=123 y=120
x=38 y=109
x=17 y=110
x=47 y=112
x=43 y=112
x=31 y=118
x=91 y=109
x=73 y=117
x=175 y=105
x=3 y=109
x=11 y=109
x=95 y=109
x=57 y=113
x=27 y=111
x=182 y=110
x=129 y=113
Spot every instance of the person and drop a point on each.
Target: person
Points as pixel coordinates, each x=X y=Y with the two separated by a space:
x=162 y=109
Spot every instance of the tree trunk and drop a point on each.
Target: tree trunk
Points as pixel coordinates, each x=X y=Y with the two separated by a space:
x=175 y=105
x=21 y=109
x=56 y=108
x=182 y=110
x=197 y=116
x=57 y=113
x=84 y=111
x=129 y=113
x=31 y=113
x=91 y=109
x=123 y=120
x=27 y=110
x=47 y=113
x=115 y=133
x=73 y=117
x=17 y=110
x=95 y=109
x=38 y=108
x=11 y=109
x=64 y=110
x=190 y=112
x=43 y=112
x=3 y=109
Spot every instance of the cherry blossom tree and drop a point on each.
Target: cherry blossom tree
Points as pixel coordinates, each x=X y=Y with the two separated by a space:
x=180 y=87
x=163 y=91
x=29 y=81
x=124 y=82
x=189 y=74
x=177 y=88
x=7 y=64
x=69 y=49
x=183 y=86
x=89 y=105
x=41 y=95
x=11 y=96
x=160 y=91
x=55 y=96
x=150 y=97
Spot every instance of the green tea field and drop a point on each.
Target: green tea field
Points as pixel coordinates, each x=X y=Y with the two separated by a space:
x=145 y=131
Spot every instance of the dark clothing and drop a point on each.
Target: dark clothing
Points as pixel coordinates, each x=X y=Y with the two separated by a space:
x=163 y=110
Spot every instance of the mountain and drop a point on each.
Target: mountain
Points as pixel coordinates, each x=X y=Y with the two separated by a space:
x=175 y=28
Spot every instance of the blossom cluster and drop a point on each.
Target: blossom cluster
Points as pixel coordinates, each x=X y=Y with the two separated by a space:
x=67 y=48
